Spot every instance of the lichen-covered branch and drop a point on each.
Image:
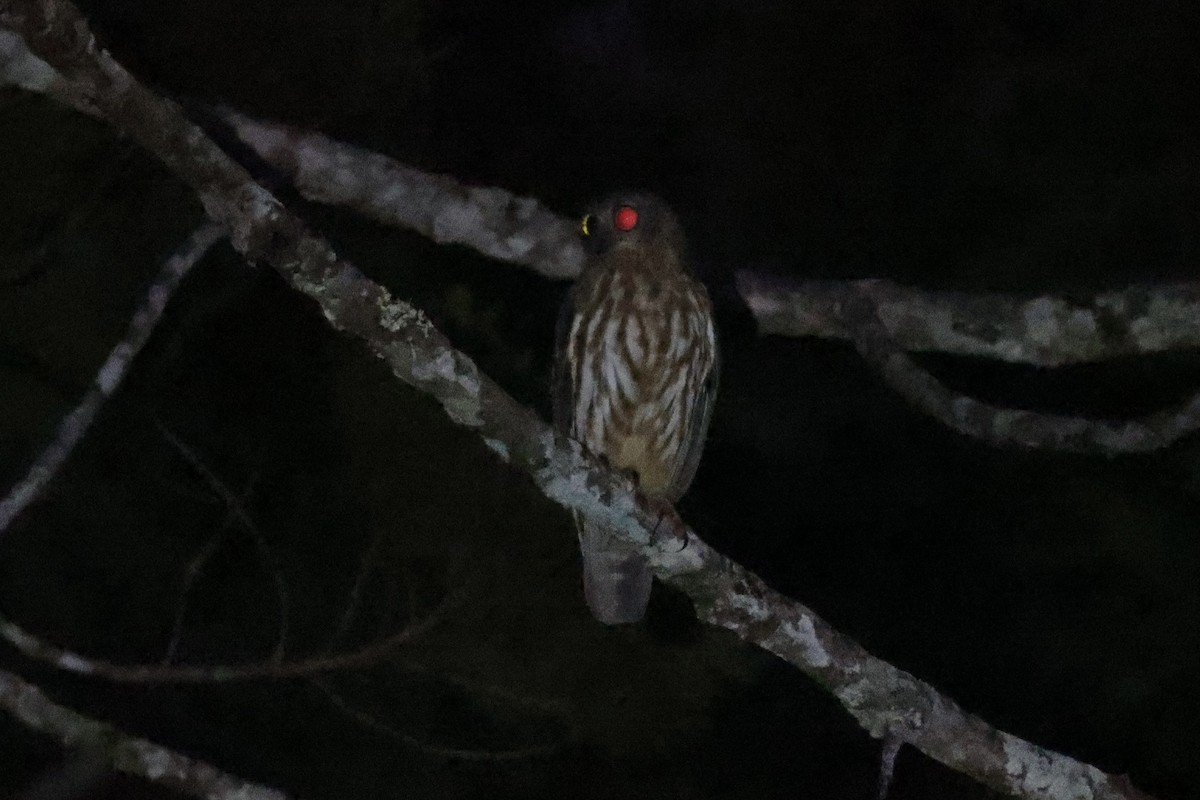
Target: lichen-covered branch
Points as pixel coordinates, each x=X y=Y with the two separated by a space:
x=490 y=220
x=1046 y=331
x=996 y=424
x=882 y=698
x=887 y=702
x=128 y=754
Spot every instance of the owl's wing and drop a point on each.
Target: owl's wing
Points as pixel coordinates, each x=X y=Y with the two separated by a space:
x=693 y=442
x=562 y=389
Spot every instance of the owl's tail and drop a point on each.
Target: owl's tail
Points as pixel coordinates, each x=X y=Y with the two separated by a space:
x=616 y=577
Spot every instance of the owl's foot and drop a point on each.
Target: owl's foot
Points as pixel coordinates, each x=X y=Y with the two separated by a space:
x=669 y=527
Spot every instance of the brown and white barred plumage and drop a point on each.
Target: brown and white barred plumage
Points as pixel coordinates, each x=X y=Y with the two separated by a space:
x=636 y=377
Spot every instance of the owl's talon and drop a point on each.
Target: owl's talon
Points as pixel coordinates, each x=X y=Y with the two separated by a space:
x=669 y=524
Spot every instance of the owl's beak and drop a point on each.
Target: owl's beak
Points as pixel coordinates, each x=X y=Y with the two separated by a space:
x=594 y=241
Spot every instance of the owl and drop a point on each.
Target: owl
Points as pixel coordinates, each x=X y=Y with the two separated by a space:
x=635 y=378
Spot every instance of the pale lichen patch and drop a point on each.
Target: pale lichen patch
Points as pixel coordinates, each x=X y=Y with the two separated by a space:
x=961 y=408
x=464 y=406
x=21 y=67
x=1033 y=772
x=456 y=222
x=312 y=157
x=519 y=245
x=803 y=633
x=396 y=316
x=1041 y=322
x=1081 y=324
x=749 y=606
x=265 y=139
x=854 y=694
x=498 y=447
x=73 y=663
x=1009 y=349
x=155 y=761
x=113 y=370
x=565 y=480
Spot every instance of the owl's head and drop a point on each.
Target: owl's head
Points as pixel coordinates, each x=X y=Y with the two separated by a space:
x=631 y=220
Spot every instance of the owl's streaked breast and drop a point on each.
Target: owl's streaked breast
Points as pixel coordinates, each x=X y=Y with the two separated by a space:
x=637 y=350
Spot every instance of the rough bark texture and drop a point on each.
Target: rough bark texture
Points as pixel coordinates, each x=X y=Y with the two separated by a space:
x=996 y=424
x=1045 y=331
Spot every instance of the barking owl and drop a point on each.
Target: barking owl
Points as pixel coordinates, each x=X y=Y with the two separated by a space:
x=635 y=377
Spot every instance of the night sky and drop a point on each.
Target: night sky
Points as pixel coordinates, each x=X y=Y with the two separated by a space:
x=1004 y=146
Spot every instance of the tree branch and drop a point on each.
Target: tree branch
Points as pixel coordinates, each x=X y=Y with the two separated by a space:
x=66 y=660
x=73 y=427
x=126 y=753
x=1045 y=331
x=998 y=425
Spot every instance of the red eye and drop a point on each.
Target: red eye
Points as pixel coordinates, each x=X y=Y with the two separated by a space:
x=625 y=219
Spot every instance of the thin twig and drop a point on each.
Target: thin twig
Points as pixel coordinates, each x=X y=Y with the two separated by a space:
x=454 y=753
x=73 y=427
x=69 y=661
x=355 y=596
x=190 y=575
x=479 y=688
x=237 y=509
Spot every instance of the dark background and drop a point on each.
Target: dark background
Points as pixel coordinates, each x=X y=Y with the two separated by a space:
x=1005 y=146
